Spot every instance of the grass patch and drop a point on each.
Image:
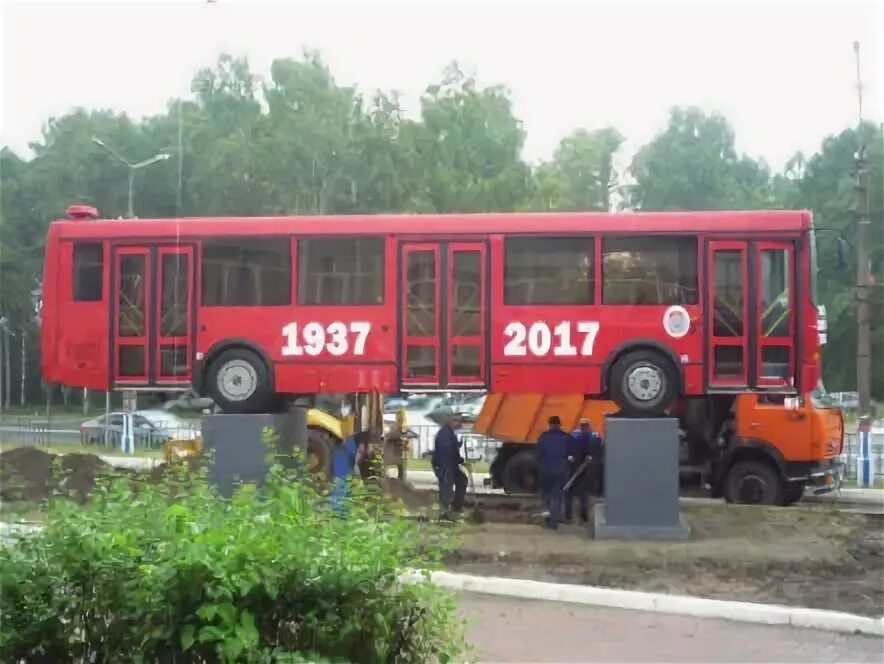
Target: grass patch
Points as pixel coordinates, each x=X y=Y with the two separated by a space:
x=852 y=484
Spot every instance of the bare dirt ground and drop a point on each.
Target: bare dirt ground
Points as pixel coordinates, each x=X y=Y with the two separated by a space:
x=812 y=558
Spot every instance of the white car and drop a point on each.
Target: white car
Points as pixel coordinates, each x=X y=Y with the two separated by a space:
x=417 y=407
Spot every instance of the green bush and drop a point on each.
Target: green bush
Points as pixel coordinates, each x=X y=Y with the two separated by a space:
x=161 y=574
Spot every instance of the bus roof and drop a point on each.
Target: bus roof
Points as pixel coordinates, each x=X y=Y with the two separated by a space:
x=743 y=222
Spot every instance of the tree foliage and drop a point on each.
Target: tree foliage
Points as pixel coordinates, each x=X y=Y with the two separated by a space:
x=693 y=165
x=298 y=142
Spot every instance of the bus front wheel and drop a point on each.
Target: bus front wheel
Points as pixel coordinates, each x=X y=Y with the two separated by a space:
x=643 y=382
x=239 y=382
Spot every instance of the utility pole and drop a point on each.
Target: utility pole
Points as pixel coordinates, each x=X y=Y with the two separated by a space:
x=178 y=198
x=863 y=345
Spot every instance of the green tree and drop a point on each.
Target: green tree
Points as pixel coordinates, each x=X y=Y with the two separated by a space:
x=469 y=144
x=693 y=165
x=581 y=175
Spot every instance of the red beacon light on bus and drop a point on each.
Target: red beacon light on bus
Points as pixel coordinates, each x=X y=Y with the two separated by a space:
x=80 y=212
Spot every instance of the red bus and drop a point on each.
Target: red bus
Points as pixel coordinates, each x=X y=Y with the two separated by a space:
x=640 y=308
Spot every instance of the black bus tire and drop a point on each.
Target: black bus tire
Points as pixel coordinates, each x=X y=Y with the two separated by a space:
x=643 y=382
x=239 y=382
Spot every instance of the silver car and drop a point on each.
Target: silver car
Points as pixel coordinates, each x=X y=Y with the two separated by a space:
x=151 y=428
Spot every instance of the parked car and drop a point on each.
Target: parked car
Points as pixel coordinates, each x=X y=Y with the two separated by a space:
x=417 y=407
x=151 y=427
x=845 y=400
x=468 y=406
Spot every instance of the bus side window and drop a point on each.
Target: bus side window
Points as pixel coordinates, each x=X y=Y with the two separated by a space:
x=241 y=272
x=88 y=271
x=649 y=270
x=341 y=271
x=549 y=271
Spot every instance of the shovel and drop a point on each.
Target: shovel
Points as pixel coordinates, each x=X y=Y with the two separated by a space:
x=477 y=515
x=577 y=473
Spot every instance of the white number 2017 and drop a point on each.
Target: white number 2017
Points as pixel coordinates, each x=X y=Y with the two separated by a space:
x=314 y=338
x=537 y=339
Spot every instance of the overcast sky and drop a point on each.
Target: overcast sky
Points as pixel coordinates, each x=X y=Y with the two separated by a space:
x=782 y=72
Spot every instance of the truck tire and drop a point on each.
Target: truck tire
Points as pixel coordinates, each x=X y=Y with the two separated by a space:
x=753 y=482
x=793 y=492
x=239 y=382
x=521 y=473
x=643 y=383
x=320 y=447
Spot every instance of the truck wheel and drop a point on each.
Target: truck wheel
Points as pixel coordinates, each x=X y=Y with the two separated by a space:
x=643 y=382
x=753 y=483
x=792 y=493
x=521 y=473
x=239 y=382
x=320 y=447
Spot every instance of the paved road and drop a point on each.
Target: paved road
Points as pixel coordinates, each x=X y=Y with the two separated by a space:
x=503 y=629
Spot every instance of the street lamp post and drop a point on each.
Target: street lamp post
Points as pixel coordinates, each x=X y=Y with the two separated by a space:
x=162 y=156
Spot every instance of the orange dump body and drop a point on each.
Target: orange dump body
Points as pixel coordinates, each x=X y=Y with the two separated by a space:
x=521 y=418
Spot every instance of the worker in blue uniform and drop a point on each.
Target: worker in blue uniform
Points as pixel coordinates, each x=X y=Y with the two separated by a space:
x=346 y=457
x=446 y=461
x=552 y=457
x=585 y=444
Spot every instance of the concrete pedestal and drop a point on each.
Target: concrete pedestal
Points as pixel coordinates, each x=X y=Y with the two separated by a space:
x=641 y=481
x=236 y=448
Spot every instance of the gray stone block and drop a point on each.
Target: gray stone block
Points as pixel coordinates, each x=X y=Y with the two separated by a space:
x=236 y=449
x=641 y=480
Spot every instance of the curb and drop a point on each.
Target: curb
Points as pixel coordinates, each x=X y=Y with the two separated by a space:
x=766 y=614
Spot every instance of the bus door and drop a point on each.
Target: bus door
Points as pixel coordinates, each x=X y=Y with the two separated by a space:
x=751 y=314
x=153 y=315
x=444 y=315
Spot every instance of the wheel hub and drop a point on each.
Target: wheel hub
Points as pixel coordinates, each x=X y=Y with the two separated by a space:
x=752 y=490
x=237 y=380
x=645 y=383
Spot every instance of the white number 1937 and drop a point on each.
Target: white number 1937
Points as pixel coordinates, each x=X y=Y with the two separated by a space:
x=538 y=340
x=336 y=338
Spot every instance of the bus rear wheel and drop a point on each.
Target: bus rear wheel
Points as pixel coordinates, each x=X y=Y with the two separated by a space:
x=239 y=382
x=643 y=383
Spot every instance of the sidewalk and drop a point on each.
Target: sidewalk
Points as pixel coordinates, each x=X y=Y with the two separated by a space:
x=504 y=629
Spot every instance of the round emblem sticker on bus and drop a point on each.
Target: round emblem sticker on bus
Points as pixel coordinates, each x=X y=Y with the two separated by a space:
x=676 y=322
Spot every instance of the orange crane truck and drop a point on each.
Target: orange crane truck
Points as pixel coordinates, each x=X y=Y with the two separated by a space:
x=747 y=448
